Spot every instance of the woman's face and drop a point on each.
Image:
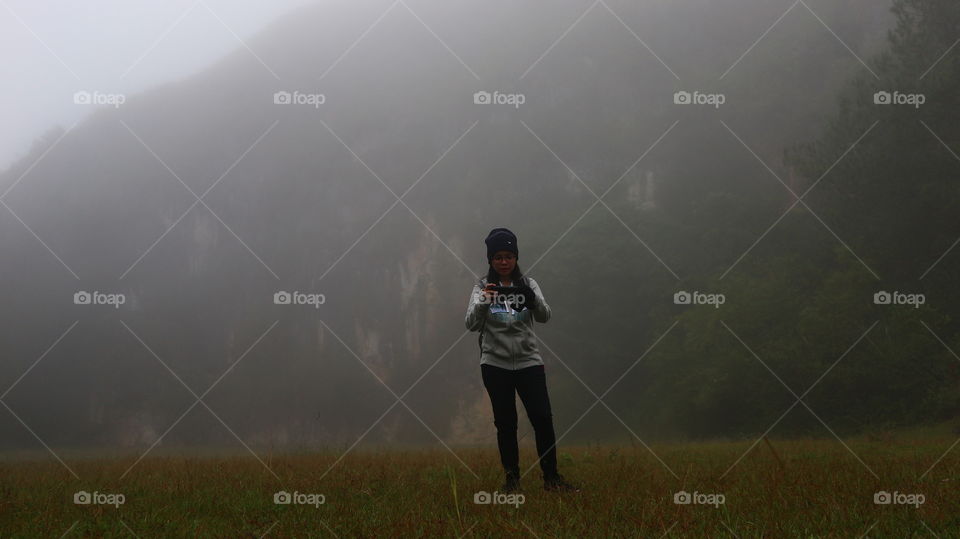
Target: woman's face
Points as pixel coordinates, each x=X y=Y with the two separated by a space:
x=504 y=262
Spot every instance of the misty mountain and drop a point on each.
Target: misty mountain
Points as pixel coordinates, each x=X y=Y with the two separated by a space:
x=302 y=196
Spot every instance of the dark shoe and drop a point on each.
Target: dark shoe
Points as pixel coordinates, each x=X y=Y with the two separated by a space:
x=557 y=483
x=513 y=482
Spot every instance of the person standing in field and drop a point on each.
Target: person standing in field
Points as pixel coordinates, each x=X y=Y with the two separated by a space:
x=510 y=361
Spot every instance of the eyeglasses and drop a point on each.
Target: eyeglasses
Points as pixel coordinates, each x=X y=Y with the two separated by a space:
x=501 y=258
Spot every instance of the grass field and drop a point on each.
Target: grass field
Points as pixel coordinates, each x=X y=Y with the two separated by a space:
x=795 y=488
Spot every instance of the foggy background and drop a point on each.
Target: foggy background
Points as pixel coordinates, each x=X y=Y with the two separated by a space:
x=302 y=196
x=54 y=48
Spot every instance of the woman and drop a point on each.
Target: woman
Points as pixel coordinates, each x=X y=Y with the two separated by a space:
x=510 y=362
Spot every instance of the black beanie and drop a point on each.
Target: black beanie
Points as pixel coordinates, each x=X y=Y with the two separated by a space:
x=500 y=239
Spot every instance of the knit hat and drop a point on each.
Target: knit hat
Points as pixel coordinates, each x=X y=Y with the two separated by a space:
x=500 y=239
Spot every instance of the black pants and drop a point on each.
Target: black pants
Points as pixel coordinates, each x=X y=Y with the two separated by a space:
x=531 y=384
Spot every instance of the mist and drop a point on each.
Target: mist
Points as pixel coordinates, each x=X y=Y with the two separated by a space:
x=256 y=228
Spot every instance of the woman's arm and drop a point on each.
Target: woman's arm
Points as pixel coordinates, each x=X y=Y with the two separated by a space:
x=476 y=309
x=541 y=313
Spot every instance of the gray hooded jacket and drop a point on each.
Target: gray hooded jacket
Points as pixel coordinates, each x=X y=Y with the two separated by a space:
x=508 y=340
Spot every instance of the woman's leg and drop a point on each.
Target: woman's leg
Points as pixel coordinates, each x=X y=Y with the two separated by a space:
x=500 y=386
x=532 y=388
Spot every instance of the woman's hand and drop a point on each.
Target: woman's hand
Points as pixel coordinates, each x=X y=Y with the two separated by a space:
x=529 y=297
x=488 y=294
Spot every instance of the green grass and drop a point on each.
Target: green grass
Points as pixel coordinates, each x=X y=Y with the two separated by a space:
x=787 y=488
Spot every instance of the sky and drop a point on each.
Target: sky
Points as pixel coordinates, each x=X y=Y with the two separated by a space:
x=50 y=49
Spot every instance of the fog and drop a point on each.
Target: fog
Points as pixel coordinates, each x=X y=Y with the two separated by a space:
x=256 y=227
x=55 y=48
